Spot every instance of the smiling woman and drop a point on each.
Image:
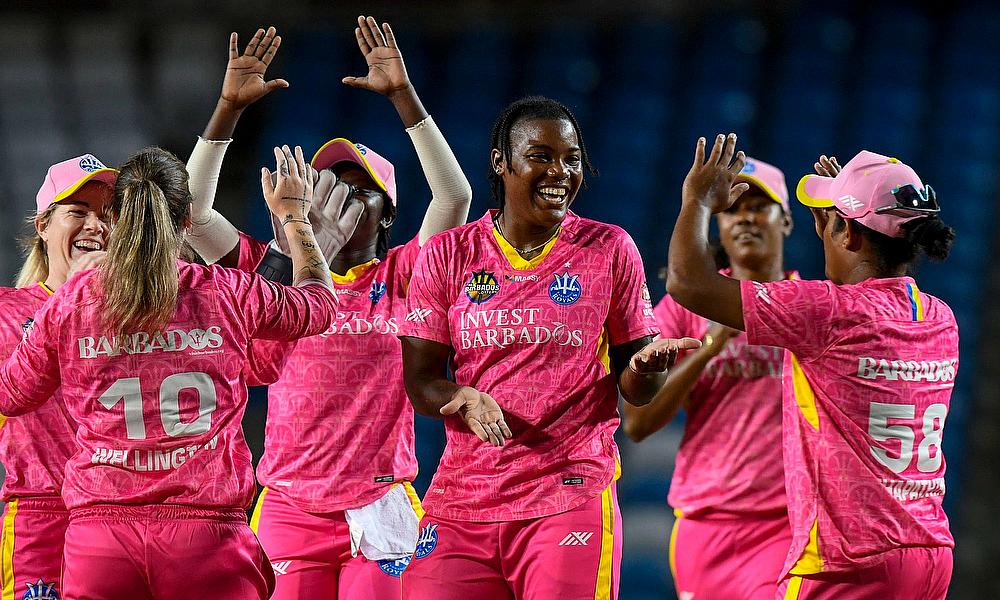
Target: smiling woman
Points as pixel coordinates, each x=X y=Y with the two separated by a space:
x=543 y=316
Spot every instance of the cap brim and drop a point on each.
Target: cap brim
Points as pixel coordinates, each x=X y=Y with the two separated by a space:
x=758 y=182
x=814 y=191
x=343 y=150
x=108 y=176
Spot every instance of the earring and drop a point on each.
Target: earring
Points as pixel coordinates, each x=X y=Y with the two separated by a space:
x=385 y=223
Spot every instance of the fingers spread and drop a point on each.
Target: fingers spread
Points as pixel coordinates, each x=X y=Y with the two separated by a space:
x=271 y=50
x=254 y=41
x=265 y=182
x=376 y=31
x=362 y=42
x=234 y=50
x=728 y=149
x=699 y=153
x=713 y=158
x=265 y=43
x=738 y=164
x=366 y=31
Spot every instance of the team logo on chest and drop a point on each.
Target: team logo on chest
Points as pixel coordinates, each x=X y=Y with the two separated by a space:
x=481 y=287
x=41 y=591
x=377 y=291
x=566 y=288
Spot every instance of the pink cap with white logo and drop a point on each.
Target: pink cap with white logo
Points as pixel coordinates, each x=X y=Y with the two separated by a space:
x=344 y=150
x=865 y=191
x=768 y=178
x=65 y=178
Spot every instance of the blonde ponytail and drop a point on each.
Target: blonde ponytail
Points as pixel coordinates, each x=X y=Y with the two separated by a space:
x=36 y=263
x=140 y=276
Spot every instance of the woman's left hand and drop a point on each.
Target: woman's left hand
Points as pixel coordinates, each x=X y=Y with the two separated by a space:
x=710 y=183
x=244 y=83
x=660 y=355
x=386 y=71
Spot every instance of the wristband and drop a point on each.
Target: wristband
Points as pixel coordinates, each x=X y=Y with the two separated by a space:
x=275 y=267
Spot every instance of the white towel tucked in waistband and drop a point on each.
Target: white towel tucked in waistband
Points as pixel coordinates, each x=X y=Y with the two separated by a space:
x=386 y=529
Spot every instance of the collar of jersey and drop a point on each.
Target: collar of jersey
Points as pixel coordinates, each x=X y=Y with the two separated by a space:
x=354 y=273
x=515 y=259
x=44 y=287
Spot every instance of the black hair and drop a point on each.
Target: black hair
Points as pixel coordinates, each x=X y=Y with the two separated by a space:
x=929 y=236
x=529 y=107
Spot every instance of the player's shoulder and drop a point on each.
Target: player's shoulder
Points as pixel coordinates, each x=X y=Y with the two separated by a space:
x=597 y=232
x=463 y=236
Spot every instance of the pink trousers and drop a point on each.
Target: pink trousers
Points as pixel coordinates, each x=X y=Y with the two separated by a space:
x=31 y=547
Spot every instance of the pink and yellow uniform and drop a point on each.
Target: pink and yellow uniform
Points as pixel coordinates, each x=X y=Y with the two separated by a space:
x=339 y=431
x=728 y=489
x=158 y=486
x=867 y=382
x=538 y=517
x=34 y=448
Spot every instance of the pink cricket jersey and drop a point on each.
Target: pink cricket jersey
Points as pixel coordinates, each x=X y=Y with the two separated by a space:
x=730 y=456
x=339 y=425
x=159 y=417
x=867 y=383
x=34 y=448
x=534 y=335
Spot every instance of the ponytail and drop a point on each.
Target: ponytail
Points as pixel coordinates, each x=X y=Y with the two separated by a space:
x=36 y=262
x=933 y=236
x=151 y=202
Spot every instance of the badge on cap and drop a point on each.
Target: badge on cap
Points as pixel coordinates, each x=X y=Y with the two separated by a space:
x=750 y=167
x=89 y=163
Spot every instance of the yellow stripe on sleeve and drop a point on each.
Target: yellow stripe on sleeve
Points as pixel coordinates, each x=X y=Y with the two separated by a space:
x=8 y=550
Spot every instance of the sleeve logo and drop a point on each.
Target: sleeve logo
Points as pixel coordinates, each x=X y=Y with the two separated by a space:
x=481 y=287
x=419 y=315
x=27 y=328
x=566 y=289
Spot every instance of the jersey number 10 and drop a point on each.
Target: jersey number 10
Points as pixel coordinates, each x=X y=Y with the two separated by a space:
x=880 y=430
x=128 y=390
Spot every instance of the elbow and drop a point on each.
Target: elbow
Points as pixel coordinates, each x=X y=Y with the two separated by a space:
x=634 y=430
x=677 y=287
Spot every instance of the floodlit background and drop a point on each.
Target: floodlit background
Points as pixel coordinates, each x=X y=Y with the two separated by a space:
x=792 y=79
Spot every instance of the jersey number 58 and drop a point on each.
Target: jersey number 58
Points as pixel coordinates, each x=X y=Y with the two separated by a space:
x=929 y=455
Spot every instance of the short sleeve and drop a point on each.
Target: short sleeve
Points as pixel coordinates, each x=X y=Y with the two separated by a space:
x=427 y=298
x=31 y=374
x=266 y=360
x=630 y=315
x=792 y=314
x=407 y=259
x=277 y=312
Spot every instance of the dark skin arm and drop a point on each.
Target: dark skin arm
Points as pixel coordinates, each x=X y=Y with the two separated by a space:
x=425 y=365
x=642 y=365
x=693 y=279
x=386 y=71
x=243 y=85
x=641 y=422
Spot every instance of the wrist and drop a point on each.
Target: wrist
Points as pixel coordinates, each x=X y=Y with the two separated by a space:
x=228 y=107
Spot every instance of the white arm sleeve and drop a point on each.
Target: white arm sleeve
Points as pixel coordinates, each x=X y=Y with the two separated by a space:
x=212 y=235
x=451 y=193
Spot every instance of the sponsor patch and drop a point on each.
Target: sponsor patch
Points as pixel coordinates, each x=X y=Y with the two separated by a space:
x=384 y=479
x=481 y=287
x=572 y=480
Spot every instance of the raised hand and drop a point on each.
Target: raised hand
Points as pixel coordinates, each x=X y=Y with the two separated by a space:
x=332 y=223
x=827 y=167
x=710 y=183
x=289 y=195
x=481 y=413
x=244 y=83
x=660 y=355
x=386 y=71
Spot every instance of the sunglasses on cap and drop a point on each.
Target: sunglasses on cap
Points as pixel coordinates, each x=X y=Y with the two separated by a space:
x=911 y=200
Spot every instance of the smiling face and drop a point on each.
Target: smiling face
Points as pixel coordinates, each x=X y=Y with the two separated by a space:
x=753 y=229
x=545 y=171
x=76 y=226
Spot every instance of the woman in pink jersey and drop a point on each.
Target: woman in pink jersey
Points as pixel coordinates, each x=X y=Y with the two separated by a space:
x=338 y=516
x=149 y=354
x=70 y=233
x=867 y=377
x=728 y=490
x=542 y=316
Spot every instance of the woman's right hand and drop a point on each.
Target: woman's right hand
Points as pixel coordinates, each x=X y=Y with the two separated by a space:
x=481 y=413
x=290 y=194
x=244 y=82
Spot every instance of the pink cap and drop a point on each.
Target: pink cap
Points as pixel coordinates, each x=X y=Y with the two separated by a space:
x=768 y=178
x=344 y=150
x=65 y=178
x=864 y=187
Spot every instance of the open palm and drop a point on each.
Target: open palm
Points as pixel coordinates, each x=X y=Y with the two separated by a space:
x=244 y=83
x=386 y=71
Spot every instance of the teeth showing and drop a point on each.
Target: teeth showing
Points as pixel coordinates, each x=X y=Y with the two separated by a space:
x=551 y=191
x=88 y=245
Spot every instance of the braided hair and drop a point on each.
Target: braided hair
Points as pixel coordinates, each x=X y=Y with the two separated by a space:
x=527 y=108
